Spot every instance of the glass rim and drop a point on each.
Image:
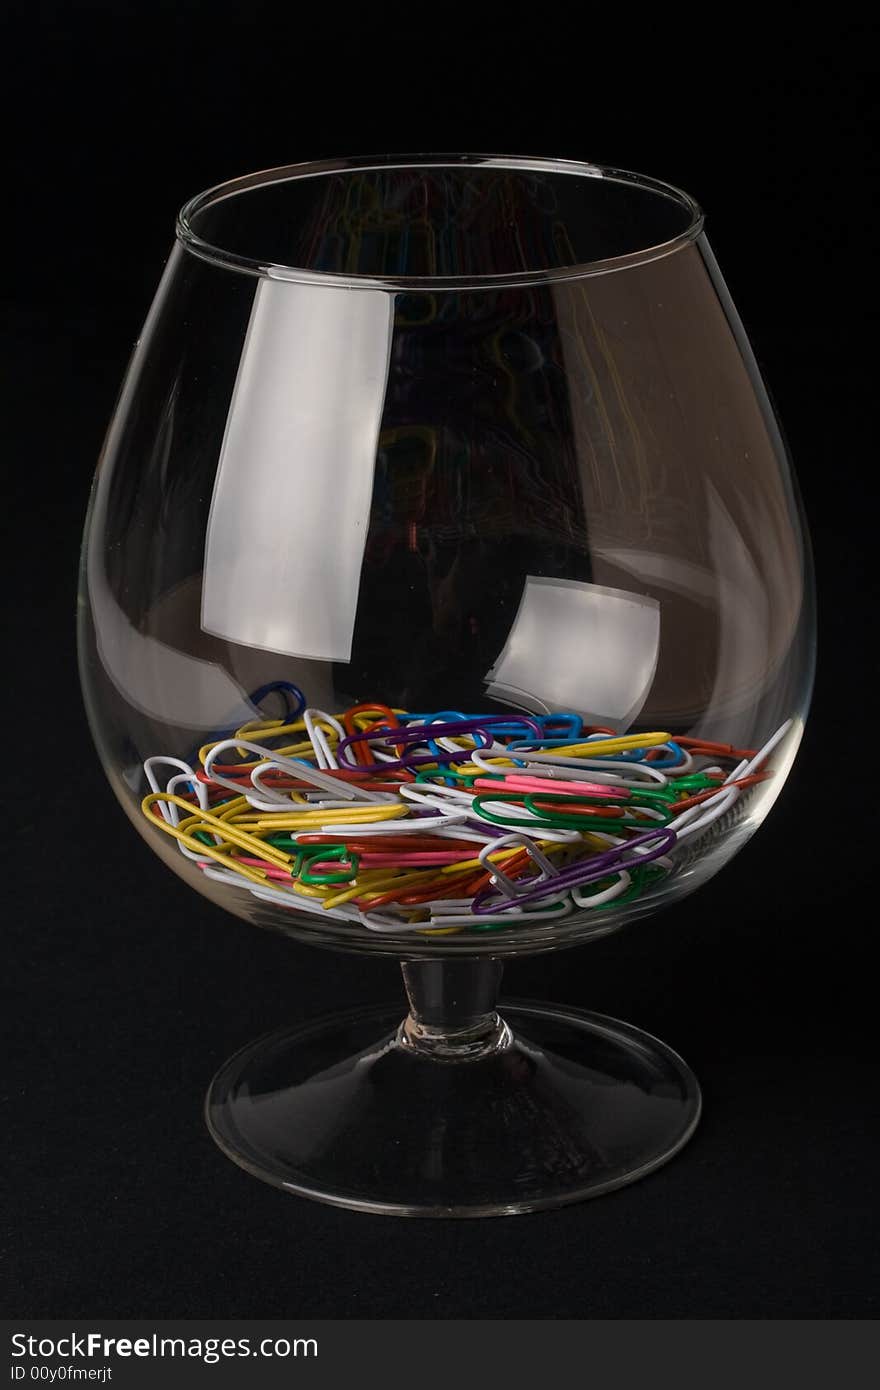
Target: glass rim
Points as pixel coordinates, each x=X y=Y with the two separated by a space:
x=218 y=255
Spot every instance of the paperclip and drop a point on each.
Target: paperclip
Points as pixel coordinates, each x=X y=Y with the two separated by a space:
x=311 y=866
x=593 y=868
x=517 y=783
x=345 y=791
x=416 y=734
x=607 y=747
x=500 y=808
x=184 y=768
x=591 y=806
x=623 y=881
x=415 y=826
x=430 y=823
x=510 y=887
x=510 y=918
x=180 y=833
x=286 y=688
x=363 y=754
x=324 y=755
x=573 y=723
x=381 y=922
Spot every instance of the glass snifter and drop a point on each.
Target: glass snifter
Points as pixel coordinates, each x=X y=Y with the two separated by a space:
x=445 y=596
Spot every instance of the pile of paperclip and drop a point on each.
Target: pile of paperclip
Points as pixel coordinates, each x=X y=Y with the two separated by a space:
x=443 y=822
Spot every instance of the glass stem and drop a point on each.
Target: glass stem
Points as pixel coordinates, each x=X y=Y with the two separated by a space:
x=452 y=1015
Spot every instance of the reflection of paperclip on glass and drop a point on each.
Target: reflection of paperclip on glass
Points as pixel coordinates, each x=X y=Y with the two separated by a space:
x=415 y=310
x=420 y=439
x=407 y=455
x=582 y=647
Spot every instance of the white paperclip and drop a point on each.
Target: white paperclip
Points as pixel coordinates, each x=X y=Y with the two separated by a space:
x=385 y=922
x=167 y=809
x=285 y=897
x=607 y=895
x=509 y=887
x=398 y=827
x=598 y=771
x=431 y=795
x=317 y=800
x=561 y=907
x=480 y=756
x=699 y=818
x=324 y=755
x=341 y=790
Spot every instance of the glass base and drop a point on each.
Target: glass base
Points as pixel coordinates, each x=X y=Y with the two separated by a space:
x=569 y=1105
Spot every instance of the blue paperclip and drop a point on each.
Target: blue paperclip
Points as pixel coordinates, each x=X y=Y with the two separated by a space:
x=515 y=726
x=514 y=729
x=444 y=716
x=293 y=708
x=637 y=755
x=422 y=718
x=527 y=744
x=572 y=723
x=678 y=757
x=447 y=716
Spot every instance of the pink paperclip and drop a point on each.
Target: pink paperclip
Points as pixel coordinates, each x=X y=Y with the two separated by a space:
x=270 y=870
x=417 y=859
x=516 y=783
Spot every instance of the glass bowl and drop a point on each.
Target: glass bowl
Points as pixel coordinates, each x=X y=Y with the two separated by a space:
x=475 y=443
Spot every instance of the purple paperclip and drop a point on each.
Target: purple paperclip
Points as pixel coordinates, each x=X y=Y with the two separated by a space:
x=482 y=721
x=420 y=733
x=585 y=871
x=408 y=760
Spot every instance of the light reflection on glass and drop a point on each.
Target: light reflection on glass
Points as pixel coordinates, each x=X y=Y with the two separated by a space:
x=580 y=647
x=291 y=501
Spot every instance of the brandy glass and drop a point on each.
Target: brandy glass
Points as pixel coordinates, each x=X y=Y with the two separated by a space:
x=445 y=596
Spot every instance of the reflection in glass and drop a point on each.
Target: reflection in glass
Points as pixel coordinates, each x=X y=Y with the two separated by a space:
x=296 y=467
x=577 y=646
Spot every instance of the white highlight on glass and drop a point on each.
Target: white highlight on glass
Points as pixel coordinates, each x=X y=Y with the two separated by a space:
x=580 y=647
x=156 y=679
x=291 y=504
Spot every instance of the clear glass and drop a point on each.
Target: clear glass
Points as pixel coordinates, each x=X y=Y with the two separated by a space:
x=464 y=438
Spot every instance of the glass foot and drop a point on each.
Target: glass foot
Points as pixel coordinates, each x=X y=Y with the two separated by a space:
x=568 y=1105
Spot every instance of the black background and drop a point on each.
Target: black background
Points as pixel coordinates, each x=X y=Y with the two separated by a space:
x=127 y=991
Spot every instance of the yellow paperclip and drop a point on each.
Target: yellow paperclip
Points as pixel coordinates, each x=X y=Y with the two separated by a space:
x=267 y=728
x=228 y=829
x=202 y=850
x=602 y=747
x=308 y=820
x=362 y=887
x=461 y=864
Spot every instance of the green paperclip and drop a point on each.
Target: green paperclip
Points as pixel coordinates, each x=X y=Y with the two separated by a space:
x=573 y=821
x=549 y=820
x=693 y=782
x=307 y=853
x=479 y=925
x=576 y=822
x=448 y=774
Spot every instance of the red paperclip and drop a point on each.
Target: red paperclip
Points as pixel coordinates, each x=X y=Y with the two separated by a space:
x=362 y=751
